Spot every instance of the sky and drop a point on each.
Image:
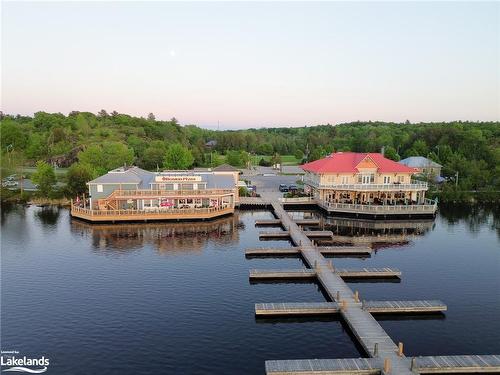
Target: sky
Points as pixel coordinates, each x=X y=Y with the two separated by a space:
x=254 y=64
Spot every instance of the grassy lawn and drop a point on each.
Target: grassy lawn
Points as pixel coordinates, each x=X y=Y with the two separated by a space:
x=285 y=159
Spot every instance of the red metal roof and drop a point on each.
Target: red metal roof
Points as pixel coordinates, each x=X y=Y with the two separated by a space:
x=345 y=162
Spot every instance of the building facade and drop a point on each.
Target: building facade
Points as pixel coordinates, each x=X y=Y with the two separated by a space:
x=365 y=183
x=126 y=194
x=425 y=167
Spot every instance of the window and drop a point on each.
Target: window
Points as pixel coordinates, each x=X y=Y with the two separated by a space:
x=401 y=179
x=367 y=178
x=99 y=189
x=387 y=179
x=345 y=180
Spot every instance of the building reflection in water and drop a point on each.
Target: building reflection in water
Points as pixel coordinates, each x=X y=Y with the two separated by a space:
x=377 y=233
x=167 y=238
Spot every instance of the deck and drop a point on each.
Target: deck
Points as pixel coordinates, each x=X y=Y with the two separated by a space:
x=149 y=215
x=379 y=210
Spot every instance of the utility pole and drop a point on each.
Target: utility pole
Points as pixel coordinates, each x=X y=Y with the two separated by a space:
x=456 y=179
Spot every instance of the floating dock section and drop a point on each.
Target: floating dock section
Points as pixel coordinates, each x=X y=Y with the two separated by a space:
x=386 y=357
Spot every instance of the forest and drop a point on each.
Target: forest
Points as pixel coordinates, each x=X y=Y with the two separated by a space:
x=91 y=144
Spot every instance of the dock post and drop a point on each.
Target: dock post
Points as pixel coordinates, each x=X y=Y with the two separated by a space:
x=315 y=264
x=330 y=265
x=413 y=364
x=387 y=365
x=400 y=349
x=356 y=296
x=343 y=305
x=375 y=350
x=338 y=296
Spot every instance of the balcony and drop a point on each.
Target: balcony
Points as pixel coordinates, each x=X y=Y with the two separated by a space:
x=414 y=185
x=130 y=194
x=429 y=207
x=150 y=214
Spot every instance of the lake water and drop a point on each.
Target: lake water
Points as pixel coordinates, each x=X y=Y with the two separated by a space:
x=175 y=298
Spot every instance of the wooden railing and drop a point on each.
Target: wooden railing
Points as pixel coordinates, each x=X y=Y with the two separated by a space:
x=428 y=207
x=150 y=213
x=415 y=185
x=298 y=200
x=170 y=193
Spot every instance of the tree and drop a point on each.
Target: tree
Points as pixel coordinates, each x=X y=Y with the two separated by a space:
x=77 y=177
x=37 y=147
x=12 y=134
x=178 y=157
x=316 y=154
x=154 y=155
x=299 y=155
x=237 y=158
x=151 y=116
x=102 y=113
x=110 y=156
x=419 y=148
x=391 y=153
x=44 y=177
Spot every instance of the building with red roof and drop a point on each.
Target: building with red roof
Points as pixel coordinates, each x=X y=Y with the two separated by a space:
x=364 y=182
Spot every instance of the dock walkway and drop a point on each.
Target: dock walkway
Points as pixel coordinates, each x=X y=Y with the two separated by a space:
x=386 y=356
x=362 y=324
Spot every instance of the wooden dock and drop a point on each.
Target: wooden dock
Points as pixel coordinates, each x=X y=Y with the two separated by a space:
x=270 y=251
x=270 y=222
x=274 y=234
x=318 y=233
x=345 y=250
x=368 y=272
x=392 y=307
x=308 y=233
x=297 y=308
x=458 y=363
x=427 y=365
x=386 y=356
x=373 y=307
x=277 y=222
x=307 y=273
x=307 y=222
x=327 y=250
x=304 y=273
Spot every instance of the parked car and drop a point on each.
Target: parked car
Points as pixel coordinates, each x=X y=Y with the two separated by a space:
x=293 y=188
x=283 y=188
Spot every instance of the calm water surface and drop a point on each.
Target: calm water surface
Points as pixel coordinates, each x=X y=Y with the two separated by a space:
x=175 y=298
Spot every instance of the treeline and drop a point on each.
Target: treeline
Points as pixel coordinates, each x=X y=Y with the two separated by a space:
x=104 y=141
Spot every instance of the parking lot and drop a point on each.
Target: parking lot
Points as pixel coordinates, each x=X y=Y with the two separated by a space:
x=267 y=181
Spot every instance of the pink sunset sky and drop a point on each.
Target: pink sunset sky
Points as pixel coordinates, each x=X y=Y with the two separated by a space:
x=254 y=64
